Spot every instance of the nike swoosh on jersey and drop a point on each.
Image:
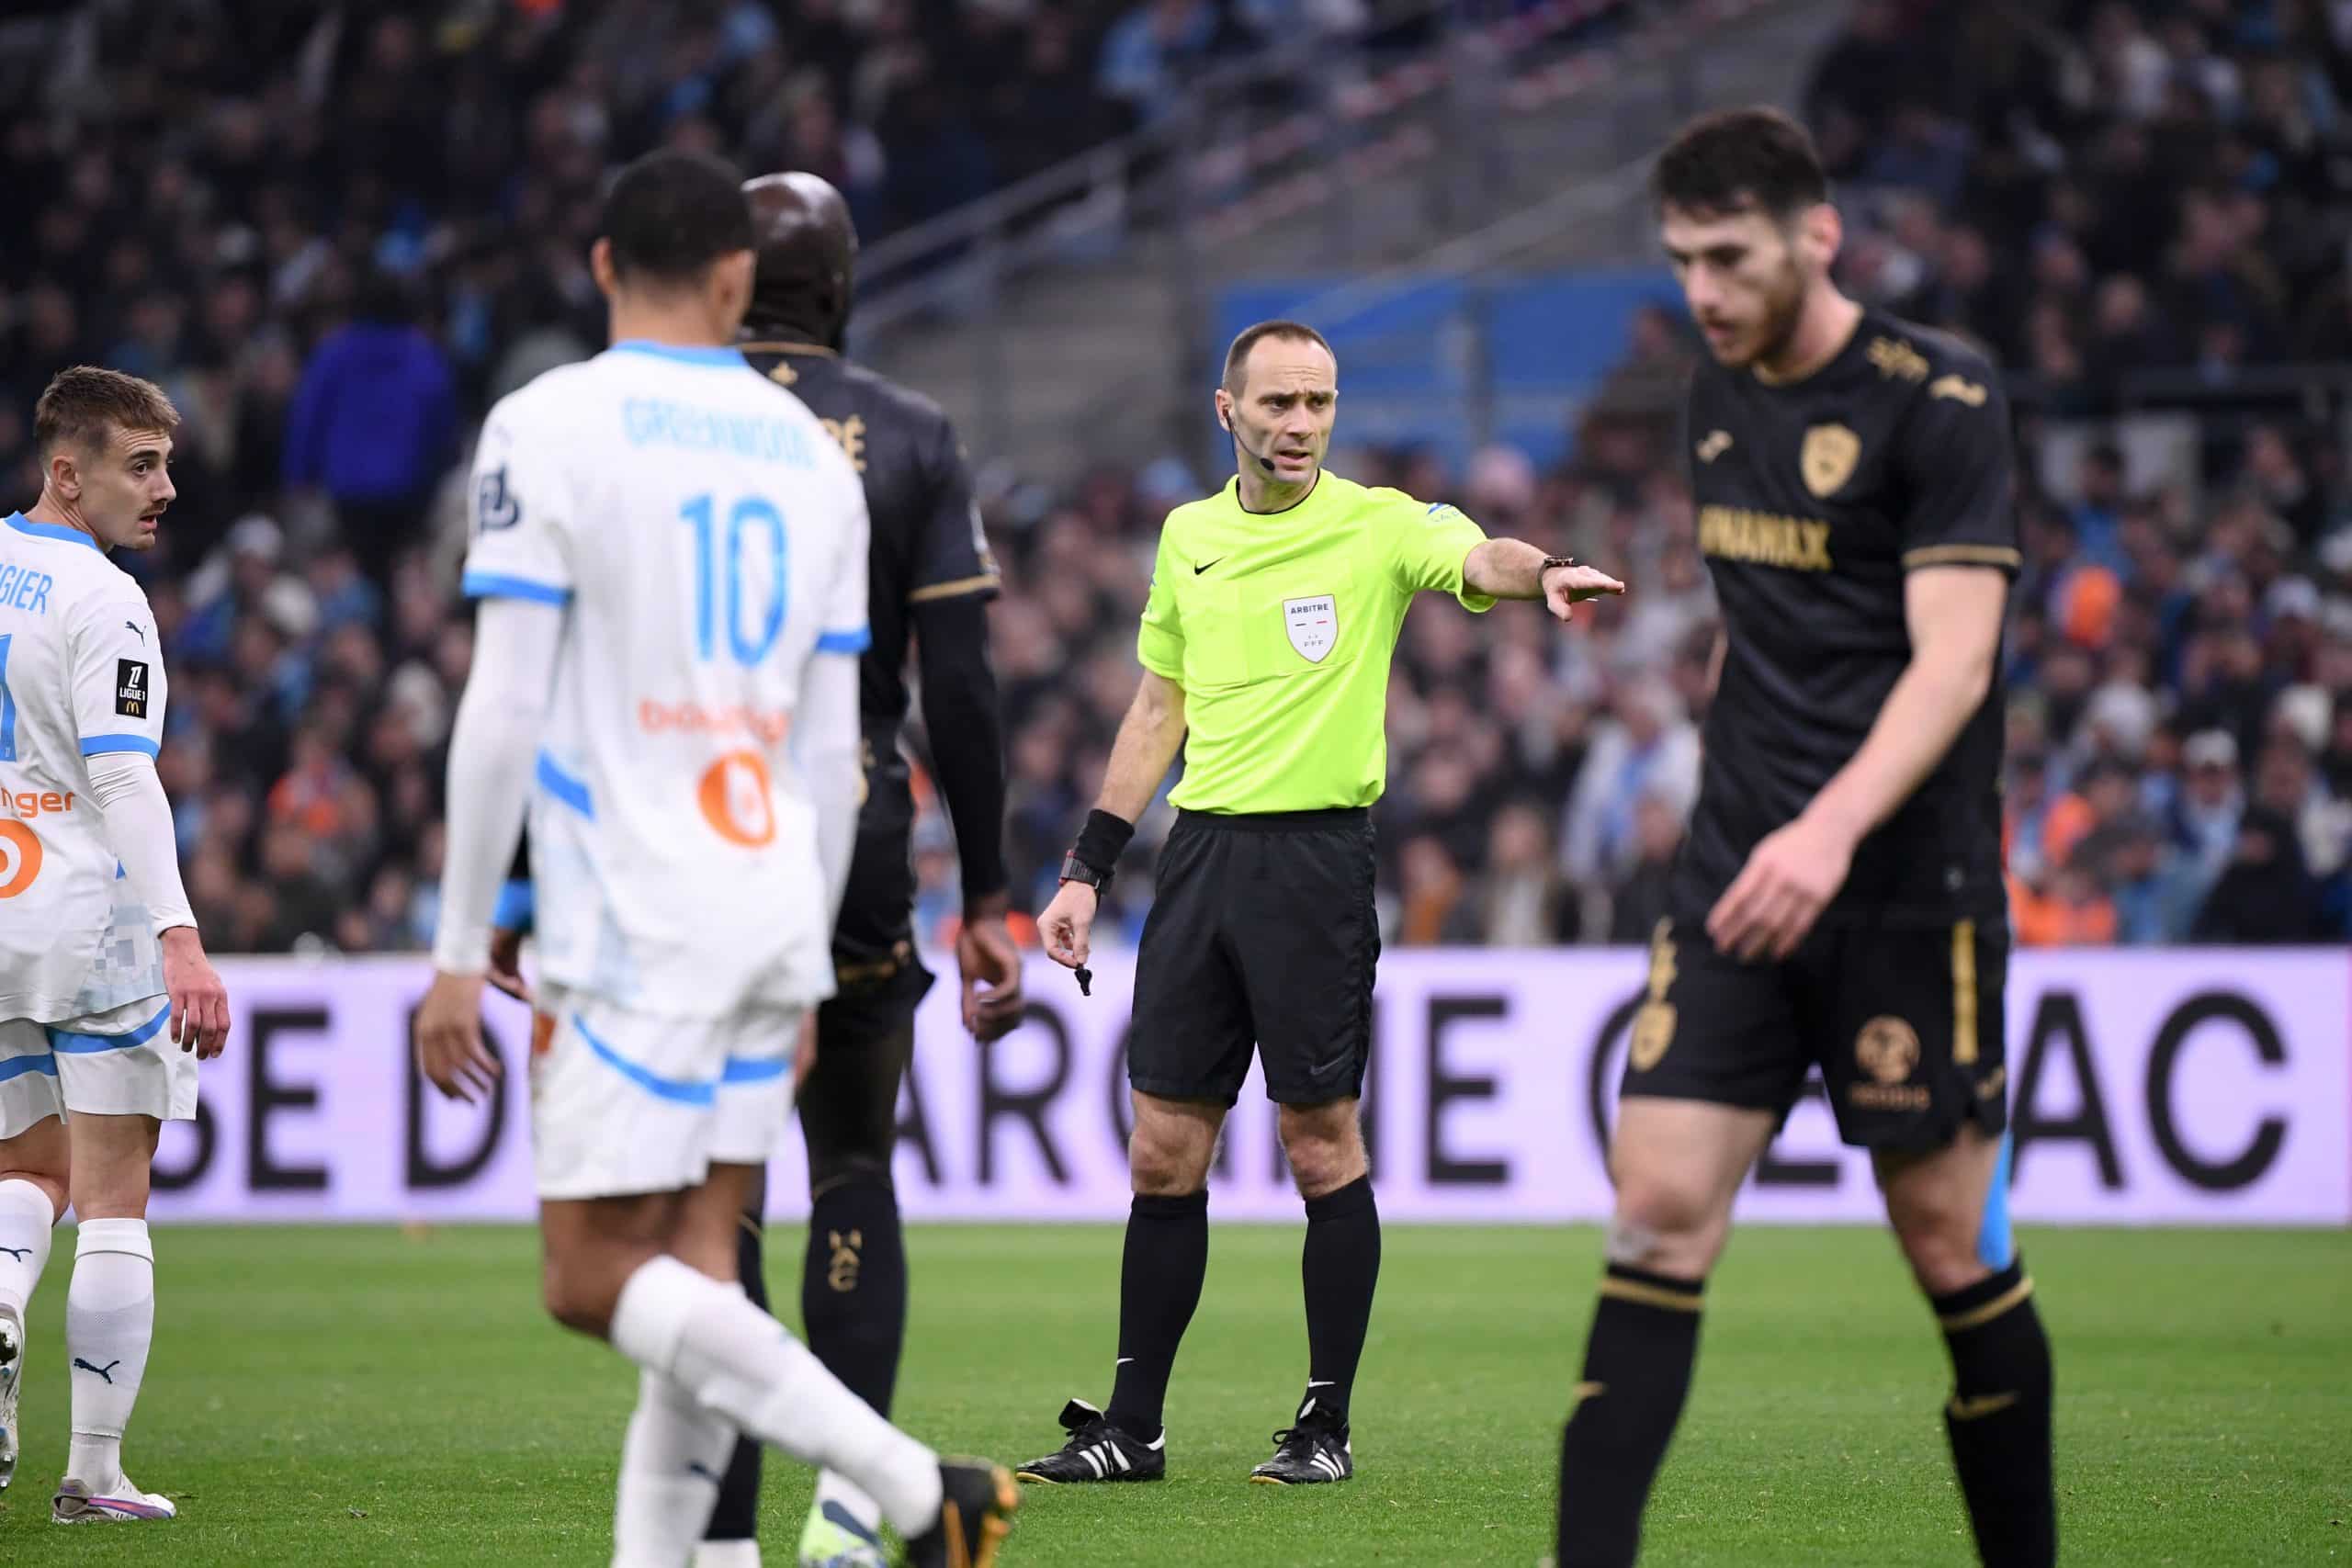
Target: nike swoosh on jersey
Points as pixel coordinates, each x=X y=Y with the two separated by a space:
x=1205 y=566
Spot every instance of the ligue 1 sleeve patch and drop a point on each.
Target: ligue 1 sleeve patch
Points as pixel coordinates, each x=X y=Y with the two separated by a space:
x=130 y=688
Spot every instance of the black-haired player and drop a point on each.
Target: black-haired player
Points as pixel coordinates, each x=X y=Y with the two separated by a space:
x=660 y=1058
x=1840 y=903
x=928 y=581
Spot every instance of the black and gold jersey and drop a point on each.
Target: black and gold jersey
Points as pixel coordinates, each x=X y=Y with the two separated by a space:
x=1815 y=500
x=927 y=539
x=928 y=563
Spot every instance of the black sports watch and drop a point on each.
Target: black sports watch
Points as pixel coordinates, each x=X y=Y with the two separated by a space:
x=1551 y=561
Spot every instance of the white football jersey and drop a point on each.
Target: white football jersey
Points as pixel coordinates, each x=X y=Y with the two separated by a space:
x=708 y=540
x=80 y=676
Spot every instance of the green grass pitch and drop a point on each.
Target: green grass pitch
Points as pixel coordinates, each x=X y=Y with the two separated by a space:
x=349 y=1397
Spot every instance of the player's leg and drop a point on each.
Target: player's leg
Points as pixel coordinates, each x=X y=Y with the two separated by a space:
x=109 y=1311
x=1188 y=1052
x=732 y=1539
x=34 y=1166
x=1998 y=1418
x=607 y=1275
x=1714 y=1061
x=1922 y=1085
x=1677 y=1164
x=853 y=1278
x=1309 y=940
x=1338 y=1271
x=675 y=1449
x=120 y=1079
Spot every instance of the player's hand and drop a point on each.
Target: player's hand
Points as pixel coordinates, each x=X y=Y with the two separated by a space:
x=1066 y=924
x=804 y=1052
x=1567 y=586
x=200 y=1002
x=506 y=964
x=1789 y=879
x=990 y=966
x=450 y=1049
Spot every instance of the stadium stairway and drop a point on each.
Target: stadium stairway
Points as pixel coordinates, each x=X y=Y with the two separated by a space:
x=1097 y=352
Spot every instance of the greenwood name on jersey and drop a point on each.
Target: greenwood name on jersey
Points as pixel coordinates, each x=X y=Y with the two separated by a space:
x=81 y=676
x=1815 y=500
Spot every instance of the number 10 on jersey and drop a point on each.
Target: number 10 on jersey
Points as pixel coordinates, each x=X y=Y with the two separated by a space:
x=754 y=598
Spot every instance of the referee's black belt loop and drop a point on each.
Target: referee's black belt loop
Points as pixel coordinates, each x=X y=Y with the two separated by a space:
x=1274 y=821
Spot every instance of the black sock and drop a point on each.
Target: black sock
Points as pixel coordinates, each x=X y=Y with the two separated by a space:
x=1160 y=1284
x=1998 y=1418
x=1636 y=1372
x=736 y=1516
x=1340 y=1267
x=853 y=1285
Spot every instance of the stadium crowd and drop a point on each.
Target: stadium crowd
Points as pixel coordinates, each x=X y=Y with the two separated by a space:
x=2139 y=187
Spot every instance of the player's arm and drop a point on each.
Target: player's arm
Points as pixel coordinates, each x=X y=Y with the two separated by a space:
x=118 y=698
x=1513 y=568
x=825 y=721
x=1149 y=737
x=954 y=579
x=1960 y=545
x=519 y=569
x=1433 y=547
x=492 y=746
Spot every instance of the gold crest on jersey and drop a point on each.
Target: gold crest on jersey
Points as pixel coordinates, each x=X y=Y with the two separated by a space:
x=1827 y=458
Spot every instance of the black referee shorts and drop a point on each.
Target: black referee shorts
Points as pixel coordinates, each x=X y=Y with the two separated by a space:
x=1261 y=934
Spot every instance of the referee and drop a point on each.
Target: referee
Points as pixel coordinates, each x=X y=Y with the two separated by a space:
x=1275 y=609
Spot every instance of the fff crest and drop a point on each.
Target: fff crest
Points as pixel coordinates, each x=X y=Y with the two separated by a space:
x=1313 y=625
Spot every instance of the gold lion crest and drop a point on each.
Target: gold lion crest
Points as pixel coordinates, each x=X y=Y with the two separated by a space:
x=1827 y=458
x=1887 y=1049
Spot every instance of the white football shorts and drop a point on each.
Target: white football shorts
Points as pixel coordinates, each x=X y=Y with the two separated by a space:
x=626 y=1102
x=117 y=1063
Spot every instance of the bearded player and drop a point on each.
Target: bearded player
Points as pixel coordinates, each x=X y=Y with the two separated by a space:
x=1839 y=902
x=671 y=557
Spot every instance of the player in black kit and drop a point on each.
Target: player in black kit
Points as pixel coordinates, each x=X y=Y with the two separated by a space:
x=1840 y=903
x=931 y=578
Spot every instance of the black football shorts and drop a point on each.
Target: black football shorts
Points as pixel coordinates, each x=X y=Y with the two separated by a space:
x=1261 y=934
x=1905 y=1024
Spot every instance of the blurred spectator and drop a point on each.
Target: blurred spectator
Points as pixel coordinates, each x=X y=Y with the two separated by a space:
x=1648 y=748
x=2266 y=894
x=2205 y=818
x=361 y=232
x=374 y=425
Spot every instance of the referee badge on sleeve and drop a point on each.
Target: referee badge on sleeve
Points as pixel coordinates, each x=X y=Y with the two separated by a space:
x=1313 y=625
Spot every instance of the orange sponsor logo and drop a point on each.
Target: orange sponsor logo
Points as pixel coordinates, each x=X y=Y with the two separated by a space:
x=737 y=801
x=691 y=718
x=20 y=863
x=30 y=803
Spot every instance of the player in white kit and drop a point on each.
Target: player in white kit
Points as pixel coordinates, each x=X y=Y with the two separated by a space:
x=107 y=1000
x=670 y=555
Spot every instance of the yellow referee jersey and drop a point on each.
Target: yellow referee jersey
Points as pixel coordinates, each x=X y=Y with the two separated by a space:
x=1280 y=628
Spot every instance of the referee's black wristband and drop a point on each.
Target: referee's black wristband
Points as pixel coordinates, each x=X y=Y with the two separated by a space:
x=1102 y=841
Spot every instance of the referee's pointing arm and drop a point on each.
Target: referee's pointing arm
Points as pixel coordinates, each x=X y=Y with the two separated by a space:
x=1278 y=400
